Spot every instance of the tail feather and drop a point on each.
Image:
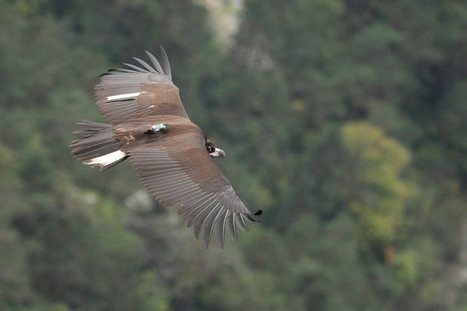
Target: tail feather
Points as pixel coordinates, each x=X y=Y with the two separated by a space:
x=96 y=146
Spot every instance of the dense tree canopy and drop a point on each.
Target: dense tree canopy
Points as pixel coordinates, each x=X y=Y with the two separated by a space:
x=344 y=120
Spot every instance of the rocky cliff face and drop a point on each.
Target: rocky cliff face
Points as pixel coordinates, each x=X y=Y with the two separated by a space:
x=224 y=15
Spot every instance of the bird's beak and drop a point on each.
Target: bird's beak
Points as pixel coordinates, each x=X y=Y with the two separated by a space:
x=218 y=153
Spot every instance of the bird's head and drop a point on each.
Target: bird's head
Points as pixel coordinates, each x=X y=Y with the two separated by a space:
x=213 y=151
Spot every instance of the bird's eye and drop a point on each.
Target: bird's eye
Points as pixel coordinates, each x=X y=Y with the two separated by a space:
x=210 y=147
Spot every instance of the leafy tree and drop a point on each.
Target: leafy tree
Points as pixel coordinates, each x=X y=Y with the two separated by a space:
x=378 y=196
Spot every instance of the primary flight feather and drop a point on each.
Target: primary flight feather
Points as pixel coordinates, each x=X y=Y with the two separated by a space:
x=150 y=127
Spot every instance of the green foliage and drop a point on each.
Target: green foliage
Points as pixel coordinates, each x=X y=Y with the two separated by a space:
x=378 y=196
x=14 y=277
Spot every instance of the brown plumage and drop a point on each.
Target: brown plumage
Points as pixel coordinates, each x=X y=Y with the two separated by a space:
x=173 y=158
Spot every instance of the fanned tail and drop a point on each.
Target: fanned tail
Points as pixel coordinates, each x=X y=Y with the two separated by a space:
x=96 y=146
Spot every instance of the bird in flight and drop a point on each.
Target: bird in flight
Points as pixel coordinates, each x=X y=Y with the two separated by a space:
x=174 y=160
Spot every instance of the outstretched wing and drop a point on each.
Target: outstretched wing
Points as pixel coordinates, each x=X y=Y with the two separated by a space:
x=189 y=181
x=139 y=91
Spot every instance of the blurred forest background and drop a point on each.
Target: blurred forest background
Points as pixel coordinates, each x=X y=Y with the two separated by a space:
x=344 y=120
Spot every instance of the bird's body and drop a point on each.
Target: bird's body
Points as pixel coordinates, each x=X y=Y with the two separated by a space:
x=150 y=127
x=137 y=131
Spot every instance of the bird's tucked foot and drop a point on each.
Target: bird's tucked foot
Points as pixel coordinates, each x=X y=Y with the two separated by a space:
x=158 y=128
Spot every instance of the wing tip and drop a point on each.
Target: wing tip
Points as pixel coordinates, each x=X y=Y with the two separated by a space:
x=251 y=217
x=239 y=221
x=143 y=67
x=165 y=62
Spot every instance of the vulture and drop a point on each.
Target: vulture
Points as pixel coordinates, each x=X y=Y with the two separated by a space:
x=174 y=160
